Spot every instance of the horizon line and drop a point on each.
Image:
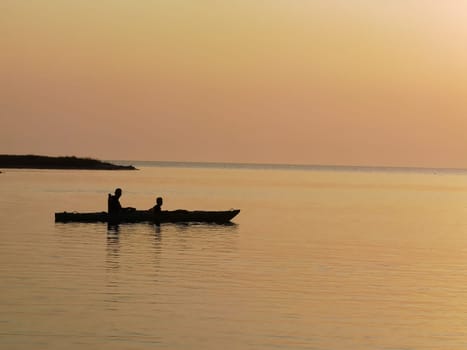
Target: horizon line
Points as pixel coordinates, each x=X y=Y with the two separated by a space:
x=290 y=165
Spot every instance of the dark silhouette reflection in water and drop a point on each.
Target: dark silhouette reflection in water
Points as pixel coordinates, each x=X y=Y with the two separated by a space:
x=142 y=243
x=157 y=229
x=113 y=228
x=113 y=247
x=156 y=252
x=112 y=263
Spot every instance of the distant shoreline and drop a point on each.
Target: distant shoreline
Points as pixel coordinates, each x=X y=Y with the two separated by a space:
x=46 y=162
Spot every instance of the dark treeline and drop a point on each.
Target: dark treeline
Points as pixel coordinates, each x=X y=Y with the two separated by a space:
x=45 y=162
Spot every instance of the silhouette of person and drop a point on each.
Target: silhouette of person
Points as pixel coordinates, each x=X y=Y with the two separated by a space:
x=114 y=208
x=156 y=211
x=113 y=204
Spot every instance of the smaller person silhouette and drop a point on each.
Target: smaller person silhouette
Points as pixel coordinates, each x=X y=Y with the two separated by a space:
x=156 y=211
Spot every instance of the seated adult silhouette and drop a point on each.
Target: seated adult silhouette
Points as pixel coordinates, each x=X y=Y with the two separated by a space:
x=114 y=208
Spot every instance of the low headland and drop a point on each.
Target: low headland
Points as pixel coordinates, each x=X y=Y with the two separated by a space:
x=46 y=162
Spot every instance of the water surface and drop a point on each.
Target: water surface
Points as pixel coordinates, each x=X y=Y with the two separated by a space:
x=317 y=259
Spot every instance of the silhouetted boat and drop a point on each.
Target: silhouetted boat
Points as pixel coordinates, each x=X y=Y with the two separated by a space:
x=219 y=217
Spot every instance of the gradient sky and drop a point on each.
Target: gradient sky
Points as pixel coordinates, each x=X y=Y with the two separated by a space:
x=361 y=82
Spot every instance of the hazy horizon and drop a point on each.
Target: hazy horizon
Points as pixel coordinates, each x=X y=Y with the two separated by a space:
x=260 y=165
x=139 y=162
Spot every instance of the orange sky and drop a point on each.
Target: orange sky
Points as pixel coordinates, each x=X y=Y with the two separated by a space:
x=359 y=82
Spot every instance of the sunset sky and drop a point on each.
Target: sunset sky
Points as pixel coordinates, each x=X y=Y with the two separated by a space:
x=332 y=82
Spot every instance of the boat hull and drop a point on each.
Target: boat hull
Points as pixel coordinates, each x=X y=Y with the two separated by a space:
x=174 y=216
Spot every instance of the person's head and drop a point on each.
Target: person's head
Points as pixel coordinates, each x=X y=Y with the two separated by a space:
x=159 y=201
x=118 y=192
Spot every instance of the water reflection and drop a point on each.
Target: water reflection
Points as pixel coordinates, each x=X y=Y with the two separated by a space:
x=113 y=228
x=147 y=266
x=157 y=230
x=112 y=265
x=135 y=249
x=113 y=250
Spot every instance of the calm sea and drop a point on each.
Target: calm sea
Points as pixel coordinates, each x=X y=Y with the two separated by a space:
x=319 y=258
